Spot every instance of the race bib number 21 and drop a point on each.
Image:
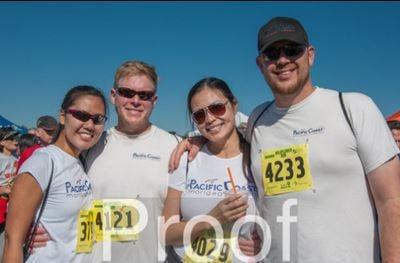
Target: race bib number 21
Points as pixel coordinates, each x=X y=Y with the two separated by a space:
x=286 y=170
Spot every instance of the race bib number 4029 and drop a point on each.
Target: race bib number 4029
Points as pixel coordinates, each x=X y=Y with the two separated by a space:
x=205 y=249
x=286 y=170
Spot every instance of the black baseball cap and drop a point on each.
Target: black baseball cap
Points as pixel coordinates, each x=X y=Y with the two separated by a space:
x=47 y=123
x=281 y=28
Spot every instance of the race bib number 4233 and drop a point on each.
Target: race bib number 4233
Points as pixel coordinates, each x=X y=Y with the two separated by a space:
x=286 y=170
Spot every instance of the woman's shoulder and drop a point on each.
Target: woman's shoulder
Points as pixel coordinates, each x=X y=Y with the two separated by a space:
x=52 y=153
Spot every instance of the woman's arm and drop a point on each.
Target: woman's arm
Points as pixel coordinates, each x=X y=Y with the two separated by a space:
x=174 y=233
x=25 y=199
x=229 y=209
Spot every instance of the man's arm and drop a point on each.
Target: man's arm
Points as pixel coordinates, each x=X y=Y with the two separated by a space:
x=191 y=144
x=384 y=182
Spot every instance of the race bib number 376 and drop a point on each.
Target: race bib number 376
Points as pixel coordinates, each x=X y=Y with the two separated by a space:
x=286 y=170
x=85 y=237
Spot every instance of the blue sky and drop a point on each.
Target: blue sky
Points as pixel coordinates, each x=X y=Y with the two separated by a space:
x=47 y=48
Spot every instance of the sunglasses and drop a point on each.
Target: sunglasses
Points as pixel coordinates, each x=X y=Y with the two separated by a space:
x=130 y=93
x=50 y=132
x=216 y=109
x=290 y=51
x=84 y=116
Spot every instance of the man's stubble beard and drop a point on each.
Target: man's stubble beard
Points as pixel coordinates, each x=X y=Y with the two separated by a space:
x=296 y=89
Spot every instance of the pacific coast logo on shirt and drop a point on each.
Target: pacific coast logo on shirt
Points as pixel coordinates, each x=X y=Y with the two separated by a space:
x=145 y=156
x=210 y=185
x=78 y=188
x=308 y=131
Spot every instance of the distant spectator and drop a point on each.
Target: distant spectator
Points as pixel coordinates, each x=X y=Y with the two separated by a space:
x=8 y=146
x=394 y=125
x=28 y=143
x=46 y=129
x=43 y=135
x=8 y=141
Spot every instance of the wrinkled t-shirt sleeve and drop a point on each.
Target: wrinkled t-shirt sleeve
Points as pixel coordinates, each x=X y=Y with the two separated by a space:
x=375 y=143
x=39 y=166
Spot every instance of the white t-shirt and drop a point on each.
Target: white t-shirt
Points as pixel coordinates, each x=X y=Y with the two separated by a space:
x=70 y=190
x=336 y=220
x=132 y=166
x=205 y=184
x=8 y=168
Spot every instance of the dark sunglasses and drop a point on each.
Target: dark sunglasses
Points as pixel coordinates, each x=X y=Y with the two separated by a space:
x=130 y=93
x=50 y=133
x=216 y=109
x=84 y=116
x=289 y=50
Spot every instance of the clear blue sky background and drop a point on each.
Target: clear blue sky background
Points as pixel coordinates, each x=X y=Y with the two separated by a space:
x=47 y=48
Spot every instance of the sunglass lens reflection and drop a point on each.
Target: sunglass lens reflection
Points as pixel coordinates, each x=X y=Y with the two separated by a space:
x=217 y=109
x=199 y=116
x=128 y=93
x=290 y=51
x=84 y=117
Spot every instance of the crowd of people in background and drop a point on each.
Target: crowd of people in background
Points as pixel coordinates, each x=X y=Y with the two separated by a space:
x=61 y=171
x=15 y=149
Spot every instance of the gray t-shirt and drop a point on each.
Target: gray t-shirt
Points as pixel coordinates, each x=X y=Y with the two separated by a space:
x=336 y=217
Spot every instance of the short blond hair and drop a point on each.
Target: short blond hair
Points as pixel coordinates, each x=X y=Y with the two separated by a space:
x=136 y=68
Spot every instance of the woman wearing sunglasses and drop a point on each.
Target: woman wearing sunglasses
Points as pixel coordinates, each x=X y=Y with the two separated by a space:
x=56 y=173
x=199 y=188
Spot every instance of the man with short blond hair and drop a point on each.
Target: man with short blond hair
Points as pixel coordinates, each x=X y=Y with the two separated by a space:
x=135 y=67
x=131 y=159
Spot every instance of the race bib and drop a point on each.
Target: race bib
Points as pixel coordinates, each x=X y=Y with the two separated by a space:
x=205 y=249
x=97 y=209
x=286 y=170
x=115 y=219
x=85 y=237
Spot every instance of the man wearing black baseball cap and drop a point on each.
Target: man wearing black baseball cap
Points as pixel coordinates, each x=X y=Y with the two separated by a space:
x=331 y=157
x=46 y=129
x=281 y=28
